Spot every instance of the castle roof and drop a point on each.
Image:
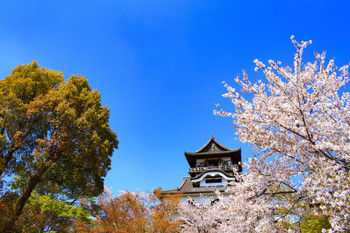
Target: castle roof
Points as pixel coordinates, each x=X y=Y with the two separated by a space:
x=187 y=188
x=213 y=149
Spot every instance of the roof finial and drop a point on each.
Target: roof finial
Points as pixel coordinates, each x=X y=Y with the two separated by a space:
x=212 y=135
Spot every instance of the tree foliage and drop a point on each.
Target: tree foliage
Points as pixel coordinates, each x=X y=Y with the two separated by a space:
x=42 y=214
x=133 y=212
x=54 y=136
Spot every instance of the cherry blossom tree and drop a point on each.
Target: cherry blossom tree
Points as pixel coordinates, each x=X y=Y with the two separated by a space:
x=298 y=122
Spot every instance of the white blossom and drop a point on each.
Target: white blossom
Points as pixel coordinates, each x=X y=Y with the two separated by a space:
x=298 y=122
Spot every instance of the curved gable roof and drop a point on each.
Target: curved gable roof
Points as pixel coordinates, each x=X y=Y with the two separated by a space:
x=213 y=146
x=213 y=149
x=212 y=173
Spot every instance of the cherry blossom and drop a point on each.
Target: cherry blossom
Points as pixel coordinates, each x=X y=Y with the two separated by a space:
x=298 y=122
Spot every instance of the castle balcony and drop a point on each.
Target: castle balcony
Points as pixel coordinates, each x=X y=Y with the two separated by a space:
x=210 y=168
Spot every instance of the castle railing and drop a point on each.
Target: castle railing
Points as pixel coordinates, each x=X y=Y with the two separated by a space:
x=202 y=169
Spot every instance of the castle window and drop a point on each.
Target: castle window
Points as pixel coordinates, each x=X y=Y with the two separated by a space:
x=226 y=163
x=213 y=163
x=199 y=164
x=216 y=179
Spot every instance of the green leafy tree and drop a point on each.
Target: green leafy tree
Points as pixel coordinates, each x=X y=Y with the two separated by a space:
x=44 y=214
x=54 y=136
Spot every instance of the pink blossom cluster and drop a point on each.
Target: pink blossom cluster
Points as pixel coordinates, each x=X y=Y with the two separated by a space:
x=298 y=122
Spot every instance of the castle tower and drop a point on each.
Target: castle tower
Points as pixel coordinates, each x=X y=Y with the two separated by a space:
x=210 y=169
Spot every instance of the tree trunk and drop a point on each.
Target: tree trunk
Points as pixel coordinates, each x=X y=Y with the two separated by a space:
x=4 y=160
x=34 y=180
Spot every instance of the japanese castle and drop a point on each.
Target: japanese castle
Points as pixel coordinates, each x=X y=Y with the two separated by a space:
x=211 y=169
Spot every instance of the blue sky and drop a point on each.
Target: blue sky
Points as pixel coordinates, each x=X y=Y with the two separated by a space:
x=160 y=65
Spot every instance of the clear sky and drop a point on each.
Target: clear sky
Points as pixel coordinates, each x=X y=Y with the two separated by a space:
x=159 y=65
